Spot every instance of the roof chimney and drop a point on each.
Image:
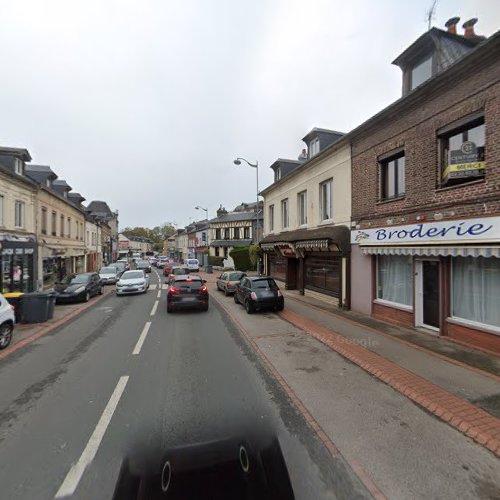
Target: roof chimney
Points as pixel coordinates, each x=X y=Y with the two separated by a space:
x=451 y=24
x=468 y=26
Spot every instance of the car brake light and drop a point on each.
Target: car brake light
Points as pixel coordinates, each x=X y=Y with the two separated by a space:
x=189 y=279
x=172 y=289
x=228 y=284
x=253 y=295
x=203 y=289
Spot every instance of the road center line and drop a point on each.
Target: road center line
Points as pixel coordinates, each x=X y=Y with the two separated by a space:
x=155 y=306
x=142 y=338
x=75 y=474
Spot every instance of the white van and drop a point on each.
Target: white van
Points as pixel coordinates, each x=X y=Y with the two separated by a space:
x=192 y=264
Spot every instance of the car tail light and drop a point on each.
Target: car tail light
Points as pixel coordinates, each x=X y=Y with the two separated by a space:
x=228 y=284
x=172 y=290
x=253 y=295
x=279 y=293
x=203 y=289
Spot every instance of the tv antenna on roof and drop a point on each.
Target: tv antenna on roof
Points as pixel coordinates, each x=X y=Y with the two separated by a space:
x=431 y=14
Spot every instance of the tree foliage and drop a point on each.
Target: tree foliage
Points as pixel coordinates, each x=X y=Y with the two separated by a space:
x=241 y=258
x=156 y=234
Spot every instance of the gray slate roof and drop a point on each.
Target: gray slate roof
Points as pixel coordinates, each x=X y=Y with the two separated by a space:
x=99 y=208
x=236 y=216
x=230 y=243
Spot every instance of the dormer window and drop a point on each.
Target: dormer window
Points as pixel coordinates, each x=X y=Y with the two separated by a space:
x=421 y=72
x=277 y=175
x=313 y=147
x=18 y=166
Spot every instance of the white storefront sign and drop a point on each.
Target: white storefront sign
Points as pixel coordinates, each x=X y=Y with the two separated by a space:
x=486 y=229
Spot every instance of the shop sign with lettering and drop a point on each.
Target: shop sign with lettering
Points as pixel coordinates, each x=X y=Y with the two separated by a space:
x=485 y=229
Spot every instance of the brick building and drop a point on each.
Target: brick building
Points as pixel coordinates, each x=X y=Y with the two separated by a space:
x=426 y=193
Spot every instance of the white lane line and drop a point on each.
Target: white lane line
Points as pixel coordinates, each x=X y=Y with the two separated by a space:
x=159 y=293
x=75 y=474
x=142 y=338
x=153 y=286
x=155 y=306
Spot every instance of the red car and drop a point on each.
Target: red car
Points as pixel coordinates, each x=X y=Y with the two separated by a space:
x=167 y=269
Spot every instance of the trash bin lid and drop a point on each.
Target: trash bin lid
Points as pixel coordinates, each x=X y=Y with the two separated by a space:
x=13 y=295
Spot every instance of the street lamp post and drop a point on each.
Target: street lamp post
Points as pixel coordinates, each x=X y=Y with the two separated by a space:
x=205 y=259
x=256 y=166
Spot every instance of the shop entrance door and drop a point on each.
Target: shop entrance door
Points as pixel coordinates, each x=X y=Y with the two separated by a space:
x=427 y=294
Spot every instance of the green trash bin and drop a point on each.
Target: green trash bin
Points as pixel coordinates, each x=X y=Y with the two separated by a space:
x=14 y=299
x=52 y=304
x=35 y=307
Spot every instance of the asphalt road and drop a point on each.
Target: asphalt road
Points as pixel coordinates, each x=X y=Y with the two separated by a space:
x=126 y=380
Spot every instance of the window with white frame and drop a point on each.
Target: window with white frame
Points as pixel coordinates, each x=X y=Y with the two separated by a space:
x=44 y=220
x=313 y=147
x=62 y=233
x=19 y=214
x=284 y=213
x=68 y=227
x=302 y=208
x=54 y=224
x=277 y=175
x=326 y=200
x=271 y=218
x=18 y=166
x=395 y=279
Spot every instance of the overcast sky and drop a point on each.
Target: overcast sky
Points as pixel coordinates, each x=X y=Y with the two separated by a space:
x=145 y=103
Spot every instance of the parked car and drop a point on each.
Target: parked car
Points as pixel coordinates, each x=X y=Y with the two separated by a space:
x=7 y=322
x=78 y=287
x=192 y=264
x=135 y=281
x=259 y=292
x=124 y=263
x=187 y=291
x=109 y=275
x=227 y=281
x=121 y=267
x=143 y=265
x=168 y=268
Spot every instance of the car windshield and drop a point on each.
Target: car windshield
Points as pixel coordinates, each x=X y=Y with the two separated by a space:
x=107 y=270
x=236 y=276
x=132 y=275
x=264 y=284
x=79 y=279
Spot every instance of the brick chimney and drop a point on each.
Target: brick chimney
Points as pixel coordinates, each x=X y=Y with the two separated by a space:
x=221 y=211
x=468 y=26
x=451 y=24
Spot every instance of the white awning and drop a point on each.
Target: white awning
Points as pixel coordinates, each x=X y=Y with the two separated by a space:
x=434 y=251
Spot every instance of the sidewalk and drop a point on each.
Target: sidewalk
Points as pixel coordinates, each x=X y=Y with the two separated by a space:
x=25 y=333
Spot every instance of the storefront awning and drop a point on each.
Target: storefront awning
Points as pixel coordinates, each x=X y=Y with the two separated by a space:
x=434 y=251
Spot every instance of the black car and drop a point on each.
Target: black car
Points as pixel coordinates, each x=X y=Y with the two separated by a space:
x=187 y=292
x=78 y=287
x=143 y=265
x=259 y=292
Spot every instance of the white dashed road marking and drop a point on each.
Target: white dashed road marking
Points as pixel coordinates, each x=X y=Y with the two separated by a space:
x=155 y=306
x=74 y=475
x=142 y=338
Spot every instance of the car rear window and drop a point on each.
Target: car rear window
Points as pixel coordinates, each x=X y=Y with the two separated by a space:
x=236 y=276
x=192 y=261
x=265 y=283
x=191 y=284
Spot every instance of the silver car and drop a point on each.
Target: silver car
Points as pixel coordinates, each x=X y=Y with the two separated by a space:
x=109 y=275
x=135 y=281
x=227 y=281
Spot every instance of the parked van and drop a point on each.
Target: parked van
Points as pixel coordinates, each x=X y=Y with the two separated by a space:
x=192 y=264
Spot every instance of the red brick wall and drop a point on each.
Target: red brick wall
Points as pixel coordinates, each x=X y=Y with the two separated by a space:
x=393 y=315
x=415 y=129
x=474 y=337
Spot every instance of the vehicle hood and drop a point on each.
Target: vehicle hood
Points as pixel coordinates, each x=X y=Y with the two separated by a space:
x=107 y=275
x=135 y=281
x=68 y=288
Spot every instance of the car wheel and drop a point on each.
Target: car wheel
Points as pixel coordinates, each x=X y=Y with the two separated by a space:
x=205 y=308
x=87 y=296
x=5 y=335
x=235 y=298
x=249 y=307
x=280 y=307
x=100 y=290
x=170 y=309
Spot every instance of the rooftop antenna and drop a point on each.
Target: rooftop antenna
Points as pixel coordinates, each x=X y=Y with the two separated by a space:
x=431 y=14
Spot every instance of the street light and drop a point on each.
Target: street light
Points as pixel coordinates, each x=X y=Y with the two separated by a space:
x=256 y=166
x=201 y=208
x=207 y=243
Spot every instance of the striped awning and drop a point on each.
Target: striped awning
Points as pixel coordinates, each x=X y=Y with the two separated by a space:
x=434 y=251
x=313 y=244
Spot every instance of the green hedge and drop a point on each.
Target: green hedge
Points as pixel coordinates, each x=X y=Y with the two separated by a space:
x=215 y=261
x=241 y=257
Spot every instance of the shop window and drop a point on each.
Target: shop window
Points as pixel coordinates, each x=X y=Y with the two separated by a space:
x=284 y=213
x=395 y=279
x=325 y=200
x=302 y=208
x=19 y=214
x=44 y=220
x=54 y=224
x=17 y=270
x=392 y=177
x=322 y=274
x=277 y=266
x=462 y=153
x=271 y=218
x=476 y=290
